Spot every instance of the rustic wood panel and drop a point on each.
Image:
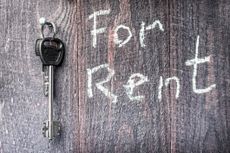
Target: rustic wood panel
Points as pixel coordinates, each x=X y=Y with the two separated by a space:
x=190 y=123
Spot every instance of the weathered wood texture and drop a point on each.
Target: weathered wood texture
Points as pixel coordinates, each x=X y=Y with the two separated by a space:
x=192 y=123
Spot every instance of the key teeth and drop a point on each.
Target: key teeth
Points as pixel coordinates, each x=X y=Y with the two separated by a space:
x=44 y=130
x=56 y=129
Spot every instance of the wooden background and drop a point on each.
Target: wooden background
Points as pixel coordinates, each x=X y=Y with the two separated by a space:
x=192 y=123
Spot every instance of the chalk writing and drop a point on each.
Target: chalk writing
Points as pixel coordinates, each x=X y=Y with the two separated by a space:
x=177 y=82
x=117 y=40
x=96 y=31
x=99 y=85
x=150 y=27
x=132 y=83
x=167 y=81
x=1 y=108
x=138 y=79
x=160 y=88
x=194 y=62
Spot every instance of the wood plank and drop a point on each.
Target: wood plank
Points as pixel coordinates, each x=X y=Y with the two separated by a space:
x=125 y=126
x=199 y=122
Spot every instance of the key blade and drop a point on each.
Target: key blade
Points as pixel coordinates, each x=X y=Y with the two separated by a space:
x=50 y=99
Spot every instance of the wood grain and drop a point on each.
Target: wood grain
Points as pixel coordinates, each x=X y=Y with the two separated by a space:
x=190 y=124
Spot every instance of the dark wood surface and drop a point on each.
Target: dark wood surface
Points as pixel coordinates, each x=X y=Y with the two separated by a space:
x=191 y=123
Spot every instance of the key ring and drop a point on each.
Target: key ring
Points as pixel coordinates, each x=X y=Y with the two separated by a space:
x=51 y=26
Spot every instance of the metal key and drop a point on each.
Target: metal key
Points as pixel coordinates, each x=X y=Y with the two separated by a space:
x=51 y=51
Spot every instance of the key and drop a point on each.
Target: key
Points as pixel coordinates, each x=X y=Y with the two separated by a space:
x=51 y=52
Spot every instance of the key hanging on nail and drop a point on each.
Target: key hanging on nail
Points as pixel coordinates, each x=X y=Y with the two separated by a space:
x=51 y=51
